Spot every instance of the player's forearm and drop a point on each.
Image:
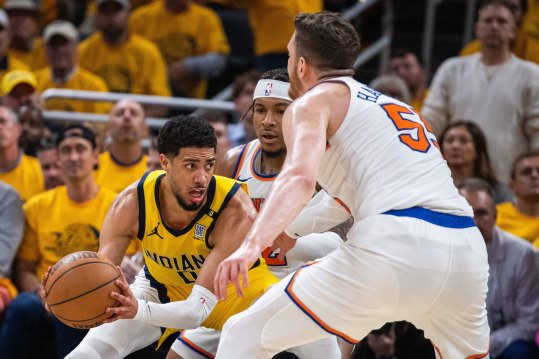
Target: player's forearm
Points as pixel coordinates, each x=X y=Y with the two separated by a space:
x=288 y=196
x=186 y=314
x=322 y=213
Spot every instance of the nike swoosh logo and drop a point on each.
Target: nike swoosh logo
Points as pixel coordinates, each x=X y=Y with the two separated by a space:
x=244 y=179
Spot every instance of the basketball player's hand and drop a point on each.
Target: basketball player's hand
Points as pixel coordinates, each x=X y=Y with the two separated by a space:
x=41 y=289
x=127 y=304
x=234 y=269
x=284 y=243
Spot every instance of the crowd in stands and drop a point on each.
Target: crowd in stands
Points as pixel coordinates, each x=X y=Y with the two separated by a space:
x=57 y=180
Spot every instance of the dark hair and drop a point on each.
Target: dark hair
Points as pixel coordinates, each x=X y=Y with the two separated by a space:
x=402 y=52
x=185 y=131
x=326 y=40
x=522 y=156
x=505 y=3
x=474 y=184
x=482 y=167
x=47 y=143
x=276 y=74
x=76 y=130
x=242 y=80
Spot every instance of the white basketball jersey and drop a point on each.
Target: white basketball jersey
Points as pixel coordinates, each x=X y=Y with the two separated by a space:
x=384 y=157
x=307 y=248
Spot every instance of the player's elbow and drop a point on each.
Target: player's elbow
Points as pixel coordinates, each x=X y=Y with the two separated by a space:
x=304 y=183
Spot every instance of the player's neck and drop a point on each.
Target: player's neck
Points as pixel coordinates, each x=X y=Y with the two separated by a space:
x=125 y=154
x=82 y=190
x=527 y=207
x=495 y=56
x=271 y=164
x=9 y=156
x=173 y=214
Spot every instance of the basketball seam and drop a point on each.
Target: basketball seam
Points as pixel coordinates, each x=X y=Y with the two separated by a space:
x=83 y=294
x=85 y=320
x=70 y=269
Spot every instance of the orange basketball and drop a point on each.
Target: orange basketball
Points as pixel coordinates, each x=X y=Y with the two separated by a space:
x=79 y=287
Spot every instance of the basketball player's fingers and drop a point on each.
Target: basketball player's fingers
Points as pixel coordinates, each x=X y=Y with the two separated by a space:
x=244 y=267
x=219 y=275
x=236 y=279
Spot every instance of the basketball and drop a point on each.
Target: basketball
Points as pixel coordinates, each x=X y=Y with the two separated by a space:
x=79 y=287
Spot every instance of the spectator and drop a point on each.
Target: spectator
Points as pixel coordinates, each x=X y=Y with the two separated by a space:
x=154 y=163
x=7 y=62
x=60 y=221
x=510 y=86
x=63 y=72
x=524 y=46
x=405 y=64
x=272 y=23
x=11 y=231
x=47 y=155
x=26 y=45
x=191 y=39
x=220 y=125
x=19 y=87
x=512 y=305
x=464 y=147
x=127 y=62
x=124 y=162
x=393 y=86
x=17 y=169
x=521 y=216
x=398 y=340
x=242 y=96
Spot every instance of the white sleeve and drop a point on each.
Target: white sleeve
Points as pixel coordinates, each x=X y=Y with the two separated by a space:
x=185 y=314
x=321 y=214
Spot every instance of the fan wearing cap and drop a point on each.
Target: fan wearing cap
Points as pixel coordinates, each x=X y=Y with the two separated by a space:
x=191 y=39
x=7 y=62
x=60 y=221
x=19 y=88
x=127 y=62
x=61 y=39
x=26 y=44
x=17 y=169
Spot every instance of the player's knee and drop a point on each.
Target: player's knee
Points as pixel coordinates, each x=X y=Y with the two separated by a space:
x=92 y=348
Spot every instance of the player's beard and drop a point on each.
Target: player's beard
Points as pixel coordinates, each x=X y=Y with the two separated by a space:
x=189 y=207
x=281 y=152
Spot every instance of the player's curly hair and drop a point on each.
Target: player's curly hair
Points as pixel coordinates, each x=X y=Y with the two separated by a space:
x=185 y=131
x=276 y=74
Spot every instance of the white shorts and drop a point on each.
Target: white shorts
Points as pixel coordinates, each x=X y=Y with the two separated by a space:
x=201 y=343
x=122 y=337
x=425 y=267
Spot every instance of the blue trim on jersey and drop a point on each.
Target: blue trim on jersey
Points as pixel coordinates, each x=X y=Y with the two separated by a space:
x=141 y=207
x=201 y=212
x=253 y=161
x=437 y=218
x=234 y=173
x=160 y=287
x=227 y=199
x=196 y=350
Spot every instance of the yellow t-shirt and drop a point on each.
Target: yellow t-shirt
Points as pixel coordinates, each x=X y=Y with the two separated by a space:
x=12 y=64
x=56 y=226
x=197 y=31
x=26 y=178
x=511 y=220
x=80 y=80
x=34 y=59
x=272 y=22
x=174 y=257
x=525 y=47
x=133 y=67
x=531 y=20
x=115 y=176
